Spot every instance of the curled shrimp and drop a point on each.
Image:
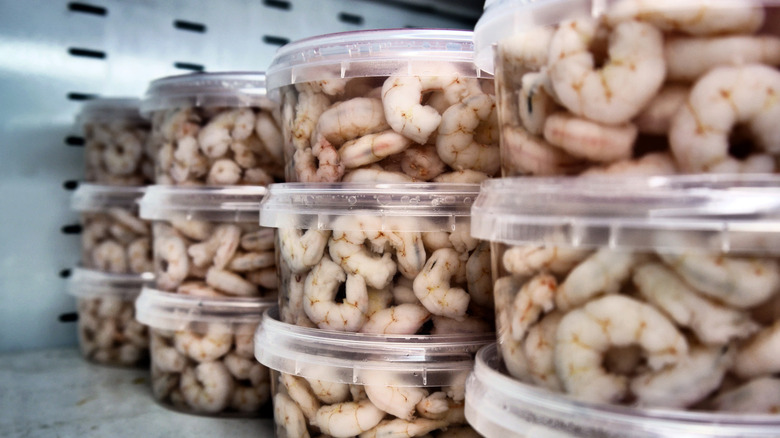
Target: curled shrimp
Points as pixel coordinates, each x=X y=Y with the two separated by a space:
x=535 y=102
x=205 y=347
x=758 y=396
x=528 y=154
x=536 y=297
x=109 y=256
x=759 y=356
x=299 y=390
x=456 y=144
x=539 y=350
x=321 y=163
x=349 y=418
x=590 y=140
x=402 y=319
x=398 y=401
x=350 y=119
x=215 y=138
x=689 y=58
x=585 y=334
x=432 y=286
x=289 y=420
x=372 y=148
x=308 y=110
x=329 y=392
x=346 y=247
x=604 y=272
x=172 y=263
x=402 y=428
x=208 y=387
x=422 y=162
x=164 y=356
x=302 y=250
x=270 y=136
x=615 y=93
x=122 y=155
x=479 y=275
x=526 y=260
x=320 y=289
x=230 y=283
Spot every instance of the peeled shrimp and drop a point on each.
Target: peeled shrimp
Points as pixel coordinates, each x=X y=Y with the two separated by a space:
x=205 y=347
x=761 y=355
x=208 y=387
x=528 y=154
x=321 y=163
x=689 y=58
x=398 y=401
x=170 y=255
x=350 y=119
x=432 y=286
x=601 y=273
x=422 y=162
x=456 y=144
x=402 y=428
x=536 y=297
x=302 y=250
x=590 y=140
x=289 y=420
x=404 y=319
x=658 y=163
x=525 y=260
x=320 y=289
x=348 y=419
x=372 y=148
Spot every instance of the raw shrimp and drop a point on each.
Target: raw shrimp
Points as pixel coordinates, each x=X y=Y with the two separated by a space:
x=260 y=240
x=320 y=289
x=740 y=282
x=130 y=221
x=376 y=174
x=528 y=49
x=224 y=172
x=348 y=419
x=479 y=276
x=223 y=129
x=531 y=155
x=346 y=247
x=251 y=261
x=164 y=356
x=402 y=319
x=656 y=117
x=456 y=144
x=307 y=112
x=618 y=91
x=329 y=392
x=535 y=102
x=657 y=163
x=302 y=250
x=402 y=428
x=759 y=396
x=205 y=347
x=590 y=140
x=188 y=161
x=192 y=228
x=321 y=163
x=689 y=58
x=536 y=297
x=587 y=333
x=408 y=245
x=289 y=418
x=299 y=390
x=422 y=162
x=208 y=387
x=122 y=155
x=250 y=398
x=721 y=99
x=270 y=135
x=331 y=86
x=170 y=256
x=350 y=119
x=139 y=256
x=244 y=339
x=528 y=259
x=432 y=286
x=438 y=406
x=601 y=273
x=713 y=323
x=398 y=401
x=230 y=283
x=109 y=256
x=539 y=350
x=759 y=356
x=371 y=148
x=467 y=176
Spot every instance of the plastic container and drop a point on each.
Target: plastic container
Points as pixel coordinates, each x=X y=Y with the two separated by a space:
x=323 y=381
x=113 y=237
x=498 y=406
x=380 y=258
x=660 y=292
x=207 y=241
x=115 y=142
x=214 y=129
x=203 y=353
x=108 y=331
x=634 y=87
x=385 y=105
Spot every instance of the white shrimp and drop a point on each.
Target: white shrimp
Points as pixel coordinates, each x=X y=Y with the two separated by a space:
x=759 y=396
x=329 y=392
x=456 y=144
x=689 y=58
x=536 y=297
x=205 y=347
x=590 y=140
x=686 y=382
x=320 y=289
x=265 y=278
x=244 y=335
x=535 y=101
x=350 y=119
x=109 y=256
x=179 y=123
x=208 y=387
x=656 y=163
x=198 y=289
x=289 y=420
x=243 y=154
x=321 y=163
x=348 y=419
x=223 y=129
x=251 y=261
x=587 y=333
x=130 y=221
x=525 y=260
x=721 y=99
x=438 y=406
x=403 y=291
x=694 y=17
x=432 y=286
x=308 y=110
x=759 y=356
x=270 y=135
x=713 y=323
x=616 y=92
x=604 y=272
x=302 y=250
x=188 y=161
x=375 y=174
x=656 y=117
x=230 y=283
x=479 y=276
x=408 y=245
x=539 y=350
x=398 y=401
x=192 y=228
x=528 y=49
x=741 y=282
x=260 y=240
x=172 y=263
x=422 y=162
x=122 y=155
x=402 y=428
x=372 y=148
x=346 y=247
x=224 y=172
x=250 y=398
x=165 y=357
x=332 y=86
x=527 y=154
x=299 y=390
x=467 y=176
x=139 y=256
x=402 y=319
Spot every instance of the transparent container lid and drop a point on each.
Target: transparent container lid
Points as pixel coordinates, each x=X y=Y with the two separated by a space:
x=89 y=283
x=723 y=213
x=228 y=89
x=110 y=109
x=498 y=406
x=401 y=207
x=369 y=53
x=359 y=358
x=171 y=311
x=207 y=203
x=96 y=197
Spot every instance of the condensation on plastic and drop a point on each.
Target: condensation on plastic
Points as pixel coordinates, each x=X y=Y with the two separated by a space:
x=223 y=89
x=90 y=198
x=359 y=358
x=89 y=283
x=110 y=109
x=722 y=213
x=171 y=311
x=420 y=206
x=369 y=53
x=497 y=406
x=210 y=203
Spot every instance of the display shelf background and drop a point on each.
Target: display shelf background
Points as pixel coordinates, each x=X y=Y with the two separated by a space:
x=54 y=54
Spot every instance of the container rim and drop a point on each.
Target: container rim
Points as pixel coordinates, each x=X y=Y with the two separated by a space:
x=97 y=197
x=108 y=109
x=209 y=203
x=91 y=283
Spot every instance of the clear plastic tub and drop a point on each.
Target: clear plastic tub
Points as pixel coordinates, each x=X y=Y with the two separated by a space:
x=498 y=406
x=108 y=331
x=113 y=237
x=116 y=149
x=346 y=384
x=385 y=105
x=660 y=292
x=202 y=352
x=206 y=241
x=634 y=86
x=214 y=129
x=380 y=258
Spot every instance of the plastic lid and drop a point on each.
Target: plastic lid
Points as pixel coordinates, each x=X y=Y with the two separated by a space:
x=89 y=283
x=369 y=53
x=359 y=358
x=229 y=89
x=498 y=406
x=724 y=213
x=95 y=197
x=208 y=203
x=109 y=109
x=402 y=207
x=171 y=311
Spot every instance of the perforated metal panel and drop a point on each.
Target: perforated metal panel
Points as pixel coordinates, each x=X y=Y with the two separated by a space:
x=56 y=53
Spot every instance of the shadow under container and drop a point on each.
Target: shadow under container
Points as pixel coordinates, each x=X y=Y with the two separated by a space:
x=653 y=293
x=347 y=384
x=394 y=105
x=380 y=258
x=116 y=147
x=113 y=237
x=634 y=87
x=206 y=241
x=202 y=352
x=108 y=331
x=214 y=129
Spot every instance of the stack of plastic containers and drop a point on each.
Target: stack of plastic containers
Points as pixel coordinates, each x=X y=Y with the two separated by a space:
x=629 y=305
x=217 y=144
x=384 y=296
